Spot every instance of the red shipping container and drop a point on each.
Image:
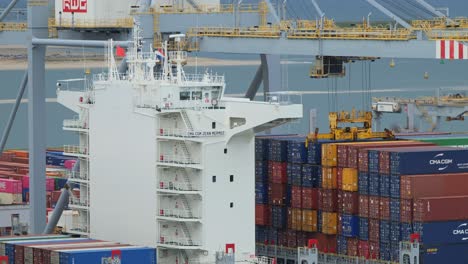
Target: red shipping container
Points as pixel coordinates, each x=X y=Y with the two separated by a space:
x=296 y=197
x=339 y=227
x=364 y=249
x=363 y=206
x=262 y=214
x=353 y=247
x=282 y=238
x=440 y=208
x=339 y=178
x=374 y=207
x=326 y=243
x=435 y=185
x=351 y=203
x=374 y=230
x=328 y=200
x=277 y=172
x=277 y=193
x=309 y=198
x=292 y=239
x=56 y=196
x=339 y=201
x=302 y=238
x=384 y=208
x=49 y=200
x=406 y=210
x=374 y=250
x=290 y=217
x=50 y=183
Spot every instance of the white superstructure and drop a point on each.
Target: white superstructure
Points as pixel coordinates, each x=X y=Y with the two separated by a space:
x=170 y=158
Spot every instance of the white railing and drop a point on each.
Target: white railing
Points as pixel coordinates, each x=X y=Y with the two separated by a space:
x=77 y=201
x=175 y=159
x=283 y=98
x=174 y=132
x=178 y=241
x=76 y=122
x=75 y=149
x=177 y=186
x=73 y=85
x=78 y=175
x=179 y=213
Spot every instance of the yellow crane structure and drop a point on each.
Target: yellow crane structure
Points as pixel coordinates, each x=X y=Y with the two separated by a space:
x=349 y=132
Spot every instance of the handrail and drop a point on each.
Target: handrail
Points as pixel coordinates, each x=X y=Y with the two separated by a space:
x=176 y=159
x=177 y=186
x=75 y=149
x=93 y=23
x=173 y=132
x=172 y=240
x=76 y=122
x=179 y=213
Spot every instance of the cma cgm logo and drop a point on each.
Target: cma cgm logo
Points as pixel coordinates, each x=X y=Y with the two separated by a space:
x=462 y=230
x=439 y=160
x=76 y=6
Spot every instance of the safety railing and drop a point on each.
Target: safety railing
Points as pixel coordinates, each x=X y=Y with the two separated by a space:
x=173 y=132
x=177 y=186
x=251 y=32
x=78 y=202
x=179 y=241
x=79 y=84
x=202 y=9
x=61 y=22
x=344 y=259
x=176 y=159
x=71 y=149
x=353 y=34
x=179 y=213
x=283 y=98
x=78 y=175
x=76 y=122
x=448 y=35
x=13 y=26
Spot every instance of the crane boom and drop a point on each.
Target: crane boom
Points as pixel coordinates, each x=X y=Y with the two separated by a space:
x=317 y=8
x=431 y=9
x=389 y=14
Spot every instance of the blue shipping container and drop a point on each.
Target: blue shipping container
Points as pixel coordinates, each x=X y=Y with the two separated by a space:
x=297 y=152
x=446 y=253
x=395 y=231
x=311 y=175
x=261 y=234
x=272 y=236
x=261 y=171
x=319 y=221
x=363 y=183
x=395 y=186
x=349 y=225
x=261 y=193
x=363 y=228
x=385 y=251
x=406 y=231
x=261 y=148
x=395 y=209
x=342 y=245
x=279 y=216
x=374 y=184
x=428 y=160
x=442 y=232
x=395 y=251
x=384 y=231
x=384 y=185
x=127 y=255
x=373 y=161
x=295 y=173
x=278 y=150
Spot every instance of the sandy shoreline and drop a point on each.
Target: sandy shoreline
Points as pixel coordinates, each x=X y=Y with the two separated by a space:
x=15 y=58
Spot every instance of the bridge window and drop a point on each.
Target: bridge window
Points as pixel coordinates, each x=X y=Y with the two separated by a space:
x=196 y=95
x=184 y=96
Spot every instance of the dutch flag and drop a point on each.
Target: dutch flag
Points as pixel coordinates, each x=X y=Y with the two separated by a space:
x=160 y=54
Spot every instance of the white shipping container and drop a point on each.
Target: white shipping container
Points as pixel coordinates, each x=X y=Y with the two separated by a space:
x=92 y=13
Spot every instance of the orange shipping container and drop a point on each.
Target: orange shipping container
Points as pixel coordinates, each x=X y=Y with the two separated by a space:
x=309 y=220
x=329 y=223
x=296 y=219
x=329 y=178
x=329 y=153
x=21 y=153
x=350 y=180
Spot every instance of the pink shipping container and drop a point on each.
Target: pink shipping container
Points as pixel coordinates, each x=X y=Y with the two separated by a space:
x=363 y=249
x=374 y=250
x=50 y=183
x=10 y=186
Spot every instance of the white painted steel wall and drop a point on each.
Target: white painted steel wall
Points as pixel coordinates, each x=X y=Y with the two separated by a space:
x=104 y=11
x=122 y=169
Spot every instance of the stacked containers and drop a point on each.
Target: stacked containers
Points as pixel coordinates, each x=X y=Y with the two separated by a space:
x=360 y=212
